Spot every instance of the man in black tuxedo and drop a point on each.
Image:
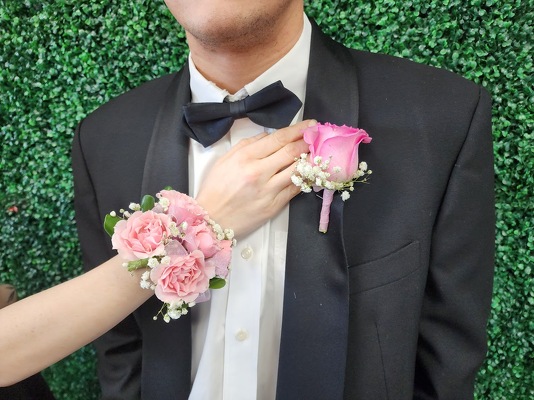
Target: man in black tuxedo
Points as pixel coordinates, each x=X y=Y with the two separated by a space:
x=390 y=303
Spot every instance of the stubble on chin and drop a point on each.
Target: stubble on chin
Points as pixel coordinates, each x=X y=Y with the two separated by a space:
x=235 y=37
x=238 y=33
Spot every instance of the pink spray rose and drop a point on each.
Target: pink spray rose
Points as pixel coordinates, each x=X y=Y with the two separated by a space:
x=339 y=144
x=184 y=278
x=142 y=235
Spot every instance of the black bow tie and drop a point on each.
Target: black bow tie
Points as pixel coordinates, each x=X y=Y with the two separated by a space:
x=274 y=107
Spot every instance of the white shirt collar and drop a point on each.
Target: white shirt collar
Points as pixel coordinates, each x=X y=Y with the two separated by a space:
x=292 y=70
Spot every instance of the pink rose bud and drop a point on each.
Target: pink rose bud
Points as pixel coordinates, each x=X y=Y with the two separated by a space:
x=339 y=144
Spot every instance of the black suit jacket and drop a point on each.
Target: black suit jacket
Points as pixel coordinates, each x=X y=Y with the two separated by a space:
x=392 y=302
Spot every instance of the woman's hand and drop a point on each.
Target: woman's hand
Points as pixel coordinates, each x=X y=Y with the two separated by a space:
x=252 y=182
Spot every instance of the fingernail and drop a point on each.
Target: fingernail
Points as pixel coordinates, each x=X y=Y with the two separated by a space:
x=312 y=122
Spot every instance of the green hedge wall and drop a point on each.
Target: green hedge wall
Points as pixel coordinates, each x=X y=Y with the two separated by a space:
x=60 y=59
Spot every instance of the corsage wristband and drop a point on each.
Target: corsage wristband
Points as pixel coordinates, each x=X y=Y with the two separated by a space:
x=185 y=252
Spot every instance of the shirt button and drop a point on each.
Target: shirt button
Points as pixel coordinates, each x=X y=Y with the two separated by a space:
x=247 y=253
x=241 y=335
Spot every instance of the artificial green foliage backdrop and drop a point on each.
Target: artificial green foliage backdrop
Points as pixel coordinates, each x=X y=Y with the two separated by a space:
x=60 y=59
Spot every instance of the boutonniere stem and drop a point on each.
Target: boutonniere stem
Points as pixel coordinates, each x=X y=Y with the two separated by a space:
x=328 y=196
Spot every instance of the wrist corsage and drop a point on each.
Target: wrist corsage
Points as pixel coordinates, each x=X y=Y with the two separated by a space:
x=332 y=164
x=184 y=251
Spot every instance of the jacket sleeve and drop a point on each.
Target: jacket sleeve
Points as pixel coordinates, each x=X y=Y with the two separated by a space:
x=119 y=350
x=457 y=300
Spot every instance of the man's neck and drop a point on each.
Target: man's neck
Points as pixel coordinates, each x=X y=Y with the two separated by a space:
x=232 y=68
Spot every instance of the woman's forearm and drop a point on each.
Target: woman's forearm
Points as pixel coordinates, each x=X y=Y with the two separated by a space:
x=247 y=186
x=44 y=328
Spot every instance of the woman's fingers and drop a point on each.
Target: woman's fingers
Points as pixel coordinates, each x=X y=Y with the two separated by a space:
x=277 y=140
x=247 y=142
x=252 y=182
x=282 y=178
x=285 y=156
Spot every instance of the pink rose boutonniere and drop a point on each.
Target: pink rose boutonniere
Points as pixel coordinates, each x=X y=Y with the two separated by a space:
x=185 y=253
x=332 y=164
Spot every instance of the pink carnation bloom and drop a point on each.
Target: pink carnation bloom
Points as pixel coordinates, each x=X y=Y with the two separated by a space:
x=185 y=278
x=183 y=208
x=201 y=237
x=221 y=260
x=142 y=235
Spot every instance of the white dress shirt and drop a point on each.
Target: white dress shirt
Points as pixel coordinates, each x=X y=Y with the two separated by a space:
x=236 y=335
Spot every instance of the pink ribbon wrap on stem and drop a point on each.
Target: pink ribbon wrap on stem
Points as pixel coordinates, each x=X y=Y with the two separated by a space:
x=328 y=196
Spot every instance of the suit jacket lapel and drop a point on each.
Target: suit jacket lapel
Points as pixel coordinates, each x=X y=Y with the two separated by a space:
x=167 y=162
x=167 y=347
x=316 y=298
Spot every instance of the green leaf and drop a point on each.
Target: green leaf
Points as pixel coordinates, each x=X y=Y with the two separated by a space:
x=147 y=203
x=137 y=264
x=110 y=222
x=217 y=283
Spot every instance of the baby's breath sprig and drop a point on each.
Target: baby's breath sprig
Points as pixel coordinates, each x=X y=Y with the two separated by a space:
x=314 y=173
x=173 y=310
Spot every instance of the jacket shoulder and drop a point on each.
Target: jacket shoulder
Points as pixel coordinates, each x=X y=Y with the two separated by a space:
x=401 y=83
x=382 y=73
x=132 y=105
x=121 y=129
